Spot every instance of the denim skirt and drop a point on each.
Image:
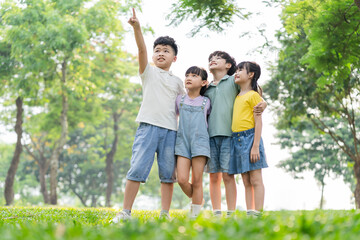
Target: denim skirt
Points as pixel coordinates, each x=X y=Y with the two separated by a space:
x=240 y=148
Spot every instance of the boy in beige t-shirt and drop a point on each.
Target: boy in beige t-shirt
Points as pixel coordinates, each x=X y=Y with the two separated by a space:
x=157 y=117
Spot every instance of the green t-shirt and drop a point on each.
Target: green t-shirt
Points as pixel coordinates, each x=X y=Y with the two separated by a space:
x=222 y=98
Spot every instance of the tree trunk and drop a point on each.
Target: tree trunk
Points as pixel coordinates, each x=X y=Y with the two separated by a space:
x=357 y=188
x=43 y=189
x=357 y=2
x=322 y=195
x=54 y=159
x=110 y=162
x=9 y=182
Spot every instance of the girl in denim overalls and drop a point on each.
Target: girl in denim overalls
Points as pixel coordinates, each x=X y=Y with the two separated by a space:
x=247 y=149
x=192 y=141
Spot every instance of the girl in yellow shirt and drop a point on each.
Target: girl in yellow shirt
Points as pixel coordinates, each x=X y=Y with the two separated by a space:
x=247 y=148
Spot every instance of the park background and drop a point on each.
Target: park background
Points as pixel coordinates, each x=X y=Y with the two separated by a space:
x=282 y=190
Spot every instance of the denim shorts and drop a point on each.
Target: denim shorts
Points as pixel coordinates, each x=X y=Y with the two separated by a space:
x=150 y=139
x=241 y=144
x=219 y=155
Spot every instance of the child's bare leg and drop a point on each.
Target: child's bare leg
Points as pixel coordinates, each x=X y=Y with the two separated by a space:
x=259 y=189
x=131 y=189
x=249 y=199
x=166 y=195
x=183 y=172
x=215 y=190
x=230 y=190
x=198 y=164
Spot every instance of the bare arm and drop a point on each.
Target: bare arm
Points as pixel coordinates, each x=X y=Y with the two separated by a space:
x=255 y=153
x=143 y=61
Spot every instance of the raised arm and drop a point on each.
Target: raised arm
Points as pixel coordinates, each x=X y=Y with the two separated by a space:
x=143 y=61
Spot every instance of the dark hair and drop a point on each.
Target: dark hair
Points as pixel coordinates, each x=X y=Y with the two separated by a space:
x=166 y=40
x=200 y=72
x=254 y=68
x=227 y=58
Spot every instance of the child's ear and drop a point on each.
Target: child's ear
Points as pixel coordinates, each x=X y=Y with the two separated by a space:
x=228 y=65
x=204 y=83
x=251 y=75
x=175 y=58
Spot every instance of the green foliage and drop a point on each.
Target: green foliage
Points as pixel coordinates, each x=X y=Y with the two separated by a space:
x=214 y=15
x=71 y=223
x=315 y=86
x=314 y=151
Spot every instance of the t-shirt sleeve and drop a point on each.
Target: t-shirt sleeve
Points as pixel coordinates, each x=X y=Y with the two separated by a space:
x=177 y=103
x=181 y=87
x=255 y=99
x=145 y=75
x=208 y=107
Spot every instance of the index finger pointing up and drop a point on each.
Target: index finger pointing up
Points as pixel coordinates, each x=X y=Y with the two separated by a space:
x=134 y=15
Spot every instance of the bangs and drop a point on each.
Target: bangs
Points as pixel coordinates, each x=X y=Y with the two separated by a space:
x=244 y=65
x=194 y=70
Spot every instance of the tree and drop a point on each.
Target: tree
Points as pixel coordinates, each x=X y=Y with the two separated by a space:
x=9 y=182
x=119 y=99
x=55 y=52
x=313 y=151
x=317 y=74
x=214 y=15
x=8 y=69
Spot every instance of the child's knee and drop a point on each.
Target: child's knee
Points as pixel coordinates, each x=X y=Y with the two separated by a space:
x=256 y=181
x=227 y=178
x=182 y=180
x=215 y=178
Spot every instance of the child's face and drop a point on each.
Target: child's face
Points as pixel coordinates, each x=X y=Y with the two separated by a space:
x=194 y=82
x=241 y=76
x=163 y=56
x=218 y=63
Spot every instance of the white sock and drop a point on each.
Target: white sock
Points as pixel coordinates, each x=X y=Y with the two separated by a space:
x=195 y=210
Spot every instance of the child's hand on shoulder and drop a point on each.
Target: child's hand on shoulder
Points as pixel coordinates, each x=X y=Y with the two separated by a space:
x=133 y=21
x=259 y=108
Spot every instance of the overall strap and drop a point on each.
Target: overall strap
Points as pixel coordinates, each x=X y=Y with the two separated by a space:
x=182 y=100
x=204 y=103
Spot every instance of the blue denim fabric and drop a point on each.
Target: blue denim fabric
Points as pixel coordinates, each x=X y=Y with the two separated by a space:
x=219 y=155
x=192 y=136
x=241 y=144
x=150 y=139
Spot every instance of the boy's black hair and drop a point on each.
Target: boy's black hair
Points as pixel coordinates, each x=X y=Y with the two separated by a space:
x=202 y=73
x=166 y=40
x=254 y=68
x=227 y=58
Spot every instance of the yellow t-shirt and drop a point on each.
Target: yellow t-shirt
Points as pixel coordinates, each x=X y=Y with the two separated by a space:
x=243 y=116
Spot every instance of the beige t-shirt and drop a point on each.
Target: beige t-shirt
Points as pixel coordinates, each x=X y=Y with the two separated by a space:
x=160 y=89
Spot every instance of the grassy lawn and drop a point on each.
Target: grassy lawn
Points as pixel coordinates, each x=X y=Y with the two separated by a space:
x=93 y=223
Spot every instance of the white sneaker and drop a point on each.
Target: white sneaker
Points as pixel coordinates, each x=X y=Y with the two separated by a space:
x=121 y=216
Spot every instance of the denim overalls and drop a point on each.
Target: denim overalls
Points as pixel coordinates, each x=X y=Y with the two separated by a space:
x=192 y=136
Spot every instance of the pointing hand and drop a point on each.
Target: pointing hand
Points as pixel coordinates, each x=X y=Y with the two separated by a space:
x=133 y=21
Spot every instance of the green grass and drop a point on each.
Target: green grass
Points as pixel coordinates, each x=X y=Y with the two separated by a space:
x=93 y=223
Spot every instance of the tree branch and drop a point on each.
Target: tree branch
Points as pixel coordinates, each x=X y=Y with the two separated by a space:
x=335 y=137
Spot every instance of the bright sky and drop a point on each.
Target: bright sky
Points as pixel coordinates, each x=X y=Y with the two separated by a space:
x=282 y=191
